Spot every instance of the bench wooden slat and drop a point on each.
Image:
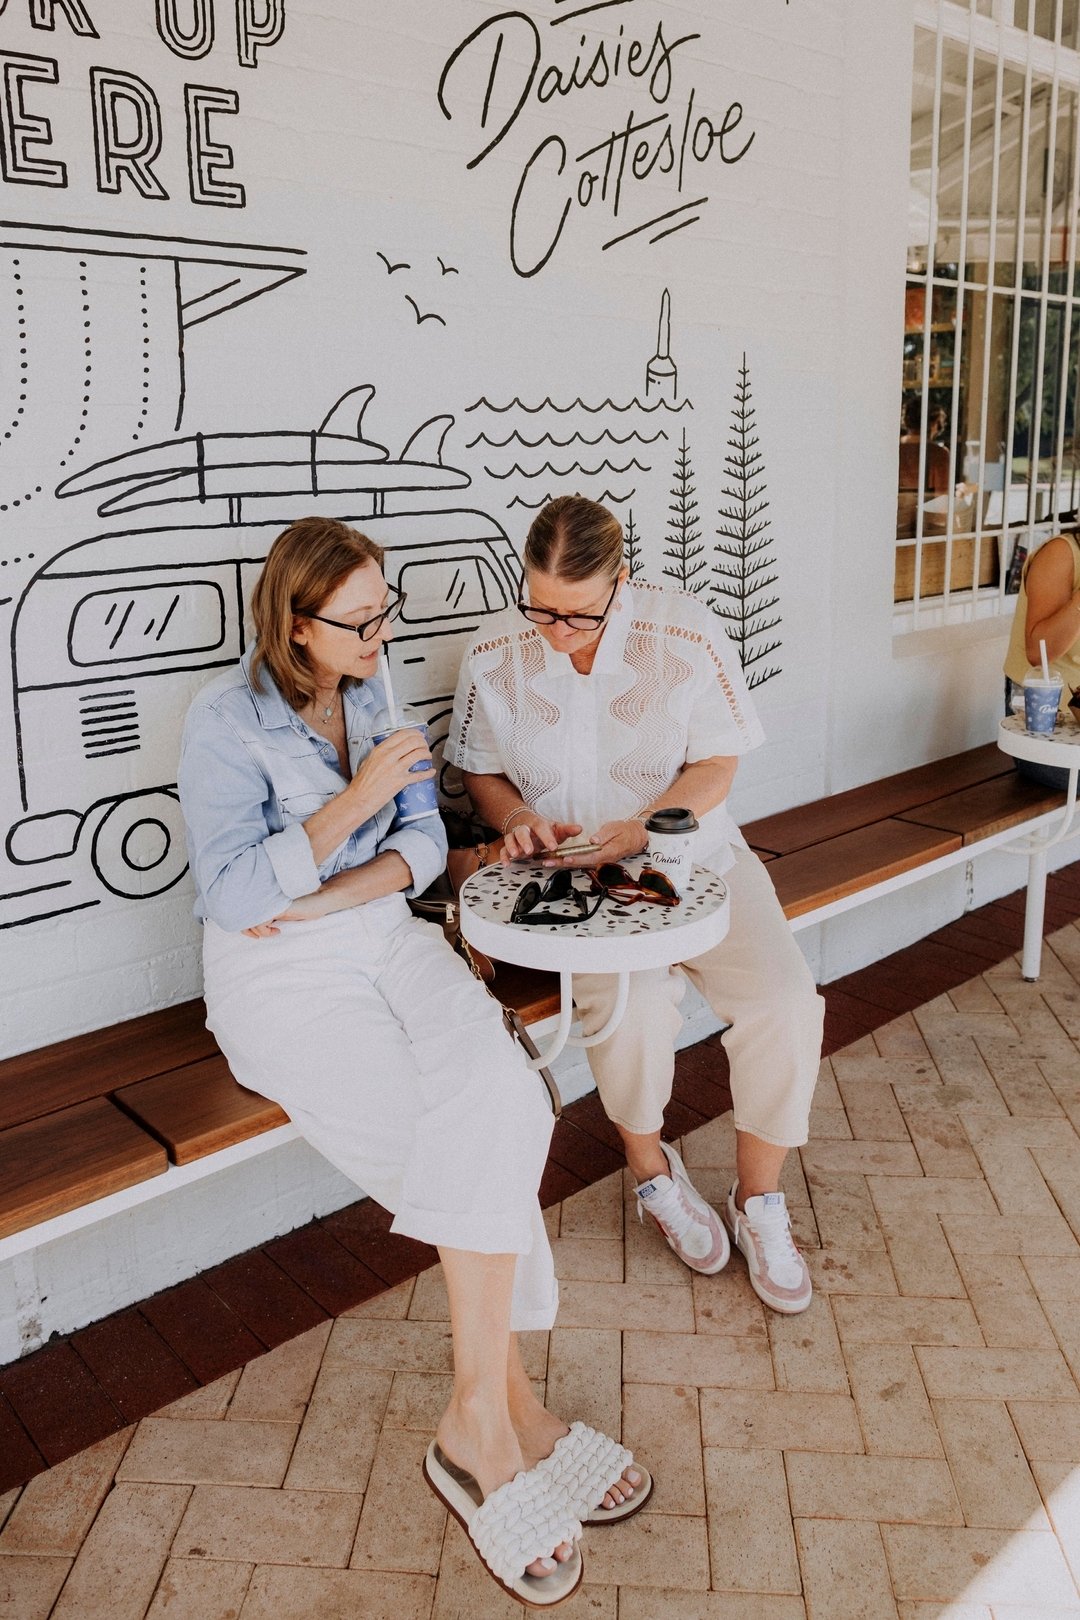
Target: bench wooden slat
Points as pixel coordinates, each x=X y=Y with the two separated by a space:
x=199 y=1109
x=92 y=1065
x=70 y=1158
x=809 y=878
x=991 y=807
x=841 y=813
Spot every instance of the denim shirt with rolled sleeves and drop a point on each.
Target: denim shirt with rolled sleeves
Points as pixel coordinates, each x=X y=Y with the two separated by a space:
x=251 y=773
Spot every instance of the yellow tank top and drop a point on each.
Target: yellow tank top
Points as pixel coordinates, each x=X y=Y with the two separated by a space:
x=1068 y=663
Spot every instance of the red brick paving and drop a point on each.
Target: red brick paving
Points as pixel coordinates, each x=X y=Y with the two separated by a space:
x=133 y=1364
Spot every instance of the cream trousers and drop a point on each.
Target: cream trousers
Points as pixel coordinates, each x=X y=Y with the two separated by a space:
x=758 y=982
x=393 y=1062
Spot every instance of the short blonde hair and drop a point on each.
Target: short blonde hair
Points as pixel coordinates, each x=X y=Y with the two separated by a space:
x=574 y=538
x=306 y=564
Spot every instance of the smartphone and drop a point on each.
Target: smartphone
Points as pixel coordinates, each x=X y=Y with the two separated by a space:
x=540 y=856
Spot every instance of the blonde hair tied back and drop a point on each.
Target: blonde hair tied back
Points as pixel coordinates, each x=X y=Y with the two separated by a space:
x=574 y=538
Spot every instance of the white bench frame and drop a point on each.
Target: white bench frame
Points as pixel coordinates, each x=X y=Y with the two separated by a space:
x=1032 y=844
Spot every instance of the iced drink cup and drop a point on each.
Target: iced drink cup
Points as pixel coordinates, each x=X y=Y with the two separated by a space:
x=1041 y=699
x=416 y=799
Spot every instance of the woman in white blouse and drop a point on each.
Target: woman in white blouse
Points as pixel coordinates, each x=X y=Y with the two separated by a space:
x=595 y=704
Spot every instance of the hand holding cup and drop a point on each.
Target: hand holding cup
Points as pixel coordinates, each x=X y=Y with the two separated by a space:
x=399 y=761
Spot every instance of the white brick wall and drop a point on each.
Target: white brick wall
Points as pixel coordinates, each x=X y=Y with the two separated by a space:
x=797 y=261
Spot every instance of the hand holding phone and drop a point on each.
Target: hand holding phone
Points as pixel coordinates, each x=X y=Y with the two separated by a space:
x=569 y=851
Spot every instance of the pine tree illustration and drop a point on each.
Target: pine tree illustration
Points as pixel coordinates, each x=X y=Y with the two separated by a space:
x=745 y=568
x=633 y=547
x=686 y=549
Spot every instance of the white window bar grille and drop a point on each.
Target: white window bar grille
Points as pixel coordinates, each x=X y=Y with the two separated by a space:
x=992 y=327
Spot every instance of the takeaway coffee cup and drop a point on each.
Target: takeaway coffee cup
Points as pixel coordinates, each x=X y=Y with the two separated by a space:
x=1041 y=699
x=416 y=799
x=671 y=843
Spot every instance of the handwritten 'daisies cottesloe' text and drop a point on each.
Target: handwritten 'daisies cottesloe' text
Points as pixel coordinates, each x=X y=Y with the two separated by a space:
x=622 y=176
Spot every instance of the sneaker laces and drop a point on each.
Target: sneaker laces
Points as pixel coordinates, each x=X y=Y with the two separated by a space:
x=671 y=1208
x=772 y=1224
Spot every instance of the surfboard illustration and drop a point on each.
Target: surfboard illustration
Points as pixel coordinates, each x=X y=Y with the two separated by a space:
x=205 y=467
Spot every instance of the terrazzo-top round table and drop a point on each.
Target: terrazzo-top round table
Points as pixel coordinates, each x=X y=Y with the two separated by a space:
x=619 y=939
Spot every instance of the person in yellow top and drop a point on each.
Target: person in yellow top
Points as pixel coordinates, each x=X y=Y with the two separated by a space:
x=1048 y=609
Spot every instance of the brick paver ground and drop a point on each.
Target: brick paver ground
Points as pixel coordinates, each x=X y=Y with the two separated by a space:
x=907 y=1449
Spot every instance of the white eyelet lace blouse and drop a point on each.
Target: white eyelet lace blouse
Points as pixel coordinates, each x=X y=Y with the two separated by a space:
x=666 y=689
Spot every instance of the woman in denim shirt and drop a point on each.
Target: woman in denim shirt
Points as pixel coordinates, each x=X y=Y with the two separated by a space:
x=327 y=995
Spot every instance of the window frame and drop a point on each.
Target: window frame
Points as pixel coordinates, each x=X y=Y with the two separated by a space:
x=1041 y=62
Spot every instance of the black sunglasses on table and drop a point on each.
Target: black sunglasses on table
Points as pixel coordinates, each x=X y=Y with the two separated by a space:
x=559 y=886
x=573 y=621
x=369 y=627
x=614 y=882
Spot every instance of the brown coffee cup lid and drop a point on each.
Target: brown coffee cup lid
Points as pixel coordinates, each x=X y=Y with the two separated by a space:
x=672 y=820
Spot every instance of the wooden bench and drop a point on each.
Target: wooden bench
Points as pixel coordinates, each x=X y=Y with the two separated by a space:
x=107 y=1111
x=137 y=1108
x=853 y=847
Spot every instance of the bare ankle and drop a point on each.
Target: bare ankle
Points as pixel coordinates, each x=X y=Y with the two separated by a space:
x=647 y=1169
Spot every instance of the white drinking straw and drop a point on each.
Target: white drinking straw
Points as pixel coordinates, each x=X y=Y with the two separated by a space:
x=1042 y=655
x=388 y=686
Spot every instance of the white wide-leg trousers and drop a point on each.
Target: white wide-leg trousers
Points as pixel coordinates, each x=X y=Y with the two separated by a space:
x=393 y=1062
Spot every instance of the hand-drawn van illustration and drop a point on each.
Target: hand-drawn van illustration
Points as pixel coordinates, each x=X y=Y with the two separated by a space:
x=114 y=634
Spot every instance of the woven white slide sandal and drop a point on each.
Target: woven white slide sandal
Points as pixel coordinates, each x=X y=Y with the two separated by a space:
x=584 y=1465
x=523 y=1520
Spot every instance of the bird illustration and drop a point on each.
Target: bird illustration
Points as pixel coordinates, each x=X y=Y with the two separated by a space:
x=390 y=268
x=448 y=269
x=420 y=319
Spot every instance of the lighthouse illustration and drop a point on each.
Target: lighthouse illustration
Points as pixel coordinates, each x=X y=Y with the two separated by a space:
x=661 y=375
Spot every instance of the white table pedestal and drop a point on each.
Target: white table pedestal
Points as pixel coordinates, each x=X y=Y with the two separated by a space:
x=619 y=939
x=1061 y=747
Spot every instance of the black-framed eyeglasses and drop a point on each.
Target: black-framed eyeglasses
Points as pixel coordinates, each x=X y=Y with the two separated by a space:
x=559 y=887
x=370 y=627
x=573 y=621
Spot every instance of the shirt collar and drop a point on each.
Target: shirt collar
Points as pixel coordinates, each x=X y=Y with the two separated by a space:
x=274 y=711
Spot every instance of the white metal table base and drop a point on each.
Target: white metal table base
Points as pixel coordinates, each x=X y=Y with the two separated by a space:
x=1035 y=849
x=1015 y=740
x=562 y=1035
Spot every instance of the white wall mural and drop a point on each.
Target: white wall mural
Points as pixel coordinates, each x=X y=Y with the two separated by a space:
x=418 y=267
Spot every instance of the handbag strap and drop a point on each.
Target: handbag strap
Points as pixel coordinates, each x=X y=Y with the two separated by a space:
x=442 y=907
x=513 y=1021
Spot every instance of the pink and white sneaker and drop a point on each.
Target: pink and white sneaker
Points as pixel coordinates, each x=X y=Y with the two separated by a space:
x=778 y=1273
x=692 y=1227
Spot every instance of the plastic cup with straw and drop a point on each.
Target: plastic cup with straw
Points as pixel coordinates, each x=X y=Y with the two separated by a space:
x=416 y=799
x=1042 y=695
